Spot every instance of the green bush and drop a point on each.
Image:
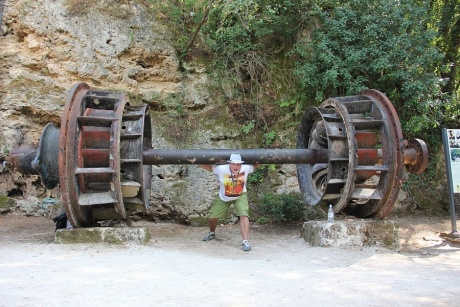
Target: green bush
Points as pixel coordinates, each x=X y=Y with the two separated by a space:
x=283 y=207
x=351 y=50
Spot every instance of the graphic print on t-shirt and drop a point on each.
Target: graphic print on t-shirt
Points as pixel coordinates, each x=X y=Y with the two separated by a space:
x=234 y=185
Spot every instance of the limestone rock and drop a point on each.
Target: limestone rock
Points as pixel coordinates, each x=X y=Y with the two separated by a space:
x=344 y=233
x=47 y=46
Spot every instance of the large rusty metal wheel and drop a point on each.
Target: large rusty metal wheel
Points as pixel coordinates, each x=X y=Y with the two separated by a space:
x=101 y=142
x=366 y=154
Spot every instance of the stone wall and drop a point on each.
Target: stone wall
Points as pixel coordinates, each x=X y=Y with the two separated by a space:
x=47 y=46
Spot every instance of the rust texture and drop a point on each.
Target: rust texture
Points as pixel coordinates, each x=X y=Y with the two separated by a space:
x=350 y=153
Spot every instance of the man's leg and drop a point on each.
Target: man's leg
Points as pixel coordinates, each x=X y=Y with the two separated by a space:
x=213 y=224
x=218 y=209
x=244 y=224
x=212 y=228
x=242 y=210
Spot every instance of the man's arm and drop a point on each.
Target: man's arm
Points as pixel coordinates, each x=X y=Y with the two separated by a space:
x=207 y=167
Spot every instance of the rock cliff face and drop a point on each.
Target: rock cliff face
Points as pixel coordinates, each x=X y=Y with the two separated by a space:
x=47 y=46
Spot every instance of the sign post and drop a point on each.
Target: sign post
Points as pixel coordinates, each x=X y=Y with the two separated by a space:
x=451 y=141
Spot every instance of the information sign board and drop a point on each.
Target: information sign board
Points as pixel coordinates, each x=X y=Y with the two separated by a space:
x=453 y=137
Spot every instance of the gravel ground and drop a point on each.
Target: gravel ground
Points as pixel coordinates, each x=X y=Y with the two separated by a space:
x=178 y=268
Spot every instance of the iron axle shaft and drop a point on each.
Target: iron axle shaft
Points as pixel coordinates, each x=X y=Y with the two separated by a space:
x=219 y=156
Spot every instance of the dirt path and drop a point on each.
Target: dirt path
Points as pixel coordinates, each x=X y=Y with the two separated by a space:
x=177 y=268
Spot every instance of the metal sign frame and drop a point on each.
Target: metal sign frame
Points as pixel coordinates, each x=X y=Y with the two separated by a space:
x=451 y=141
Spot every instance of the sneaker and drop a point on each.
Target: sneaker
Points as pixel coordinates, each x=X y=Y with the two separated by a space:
x=209 y=236
x=246 y=246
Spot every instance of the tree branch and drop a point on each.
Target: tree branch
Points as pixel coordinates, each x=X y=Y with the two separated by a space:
x=197 y=30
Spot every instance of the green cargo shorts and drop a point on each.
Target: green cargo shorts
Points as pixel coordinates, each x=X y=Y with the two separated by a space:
x=219 y=207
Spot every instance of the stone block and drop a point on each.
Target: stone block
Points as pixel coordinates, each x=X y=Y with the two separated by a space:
x=351 y=233
x=198 y=221
x=112 y=235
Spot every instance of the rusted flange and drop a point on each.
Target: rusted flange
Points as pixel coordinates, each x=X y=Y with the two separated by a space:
x=40 y=160
x=47 y=155
x=415 y=156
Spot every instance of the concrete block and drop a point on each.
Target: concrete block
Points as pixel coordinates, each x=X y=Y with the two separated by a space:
x=112 y=235
x=351 y=233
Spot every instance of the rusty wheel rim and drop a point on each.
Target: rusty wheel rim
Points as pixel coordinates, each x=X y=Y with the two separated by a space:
x=74 y=173
x=75 y=215
x=393 y=157
x=101 y=147
x=364 y=139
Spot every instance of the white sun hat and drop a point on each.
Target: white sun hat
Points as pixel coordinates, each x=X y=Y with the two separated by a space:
x=235 y=158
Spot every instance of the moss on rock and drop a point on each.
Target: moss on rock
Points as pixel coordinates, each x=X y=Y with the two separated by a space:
x=6 y=204
x=198 y=221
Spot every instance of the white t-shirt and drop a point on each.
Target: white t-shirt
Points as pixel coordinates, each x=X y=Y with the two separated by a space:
x=232 y=186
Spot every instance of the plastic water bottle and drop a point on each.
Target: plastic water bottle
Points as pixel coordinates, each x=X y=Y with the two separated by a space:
x=46 y=202
x=68 y=225
x=330 y=214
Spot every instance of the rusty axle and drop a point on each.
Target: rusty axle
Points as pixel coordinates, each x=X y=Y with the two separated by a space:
x=350 y=153
x=217 y=156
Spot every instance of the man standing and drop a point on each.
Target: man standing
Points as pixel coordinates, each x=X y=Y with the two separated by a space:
x=232 y=182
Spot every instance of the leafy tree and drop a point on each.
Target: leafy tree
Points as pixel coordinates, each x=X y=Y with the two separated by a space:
x=446 y=21
x=182 y=18
x=382 y=44
x=247 y=36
